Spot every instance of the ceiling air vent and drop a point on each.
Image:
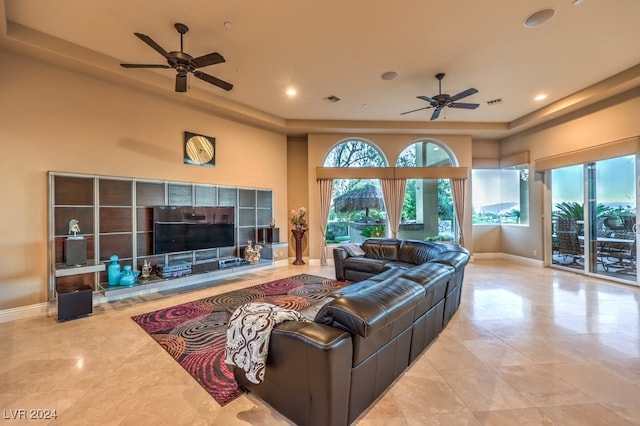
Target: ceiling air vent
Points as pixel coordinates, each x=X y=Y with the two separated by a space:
x=332 y=98
x=494 y=101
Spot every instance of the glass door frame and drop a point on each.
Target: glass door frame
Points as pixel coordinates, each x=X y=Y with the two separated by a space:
x=590 y=232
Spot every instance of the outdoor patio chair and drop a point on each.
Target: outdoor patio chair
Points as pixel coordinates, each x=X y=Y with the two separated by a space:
x=569 y=246
x=619 y=256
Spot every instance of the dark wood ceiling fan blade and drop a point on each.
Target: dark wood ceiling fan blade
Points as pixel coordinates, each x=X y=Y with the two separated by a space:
x=183 y=63
x=414 y=110
x=436 y=113
x=155 y=46
x=428 y=99
x=181 y=83
x=463 y=94
x=464 y=105
x=213 y=80
x=144 y=66
x=206 y=60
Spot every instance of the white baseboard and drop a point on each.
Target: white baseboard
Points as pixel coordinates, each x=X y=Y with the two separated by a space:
x=23 y=312
x=512 y=257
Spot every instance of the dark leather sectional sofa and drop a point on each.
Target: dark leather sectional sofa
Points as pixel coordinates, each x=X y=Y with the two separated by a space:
x=329 y=370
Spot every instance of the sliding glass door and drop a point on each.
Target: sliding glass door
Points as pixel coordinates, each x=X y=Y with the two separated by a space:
x=613 y=210
x=597 y=236
x=567 y=229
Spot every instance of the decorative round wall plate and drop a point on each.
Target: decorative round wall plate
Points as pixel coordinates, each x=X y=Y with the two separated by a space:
x=199 y=150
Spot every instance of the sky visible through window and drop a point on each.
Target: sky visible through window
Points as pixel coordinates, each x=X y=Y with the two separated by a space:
x=615 y=182
x=495 y=190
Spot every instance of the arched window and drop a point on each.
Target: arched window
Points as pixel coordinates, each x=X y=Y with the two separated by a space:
x=355 y=153
x=357 y=210
x=428 y=212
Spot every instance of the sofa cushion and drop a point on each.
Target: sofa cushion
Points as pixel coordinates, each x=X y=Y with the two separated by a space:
x=388 y=273
x=381 y=248
x=375 y=315
x=398 y=265
x=364 y=264
x=435 y=278
x=367 y=311
x=456 y=258
x=418 y=252
x=355 y=287
x=356 y=276
x=429 y=271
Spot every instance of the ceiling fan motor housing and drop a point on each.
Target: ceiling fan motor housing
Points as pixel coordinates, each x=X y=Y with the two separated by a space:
x=441 y=99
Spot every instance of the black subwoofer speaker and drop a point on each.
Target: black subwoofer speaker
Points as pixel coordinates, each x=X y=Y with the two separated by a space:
x=75 y=302
x=75 y=251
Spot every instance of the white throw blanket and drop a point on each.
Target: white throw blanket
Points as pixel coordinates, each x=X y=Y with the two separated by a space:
x=249 y=333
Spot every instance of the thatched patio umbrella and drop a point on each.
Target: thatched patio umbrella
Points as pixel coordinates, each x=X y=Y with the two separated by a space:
x=364 y=198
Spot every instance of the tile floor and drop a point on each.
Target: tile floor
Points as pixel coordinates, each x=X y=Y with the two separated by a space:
x=528 y=346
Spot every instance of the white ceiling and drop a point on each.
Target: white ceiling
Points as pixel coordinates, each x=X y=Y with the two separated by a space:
x=341 y=48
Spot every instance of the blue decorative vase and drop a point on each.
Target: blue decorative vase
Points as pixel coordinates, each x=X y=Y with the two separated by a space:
x=128 y=276
x=113 y=271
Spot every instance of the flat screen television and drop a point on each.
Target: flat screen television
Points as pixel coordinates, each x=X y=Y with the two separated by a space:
x=184 y=228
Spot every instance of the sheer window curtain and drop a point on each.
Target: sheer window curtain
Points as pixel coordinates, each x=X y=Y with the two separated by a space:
x=393 y=191
x=457 y=187
x=326 y=190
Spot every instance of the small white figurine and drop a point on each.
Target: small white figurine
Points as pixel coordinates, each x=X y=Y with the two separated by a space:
x=74 y=227
x=146 y=269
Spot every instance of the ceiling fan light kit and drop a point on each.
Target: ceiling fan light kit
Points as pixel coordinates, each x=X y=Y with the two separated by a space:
x=442 y=100
x=183 y=63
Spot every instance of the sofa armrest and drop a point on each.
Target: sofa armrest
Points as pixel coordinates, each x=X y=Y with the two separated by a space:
x=455 y=258
x=371 y=308
x=339 y=255
x=308 y=373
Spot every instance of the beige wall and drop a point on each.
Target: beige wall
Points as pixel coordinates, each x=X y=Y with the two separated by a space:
x=53 y=119
x=298 y=191
x=487 y=239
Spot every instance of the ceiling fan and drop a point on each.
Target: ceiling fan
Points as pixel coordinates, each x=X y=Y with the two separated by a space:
x=443 y=100
x=184 y=63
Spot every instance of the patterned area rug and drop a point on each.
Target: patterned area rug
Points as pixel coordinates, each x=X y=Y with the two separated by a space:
x=194 y=333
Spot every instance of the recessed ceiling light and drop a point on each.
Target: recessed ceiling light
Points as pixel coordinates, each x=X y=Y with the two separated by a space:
x=389 y=75
x=538 y=18
x=540 y=97
x=577 y=2
x=291 y=92
x=228 y=25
